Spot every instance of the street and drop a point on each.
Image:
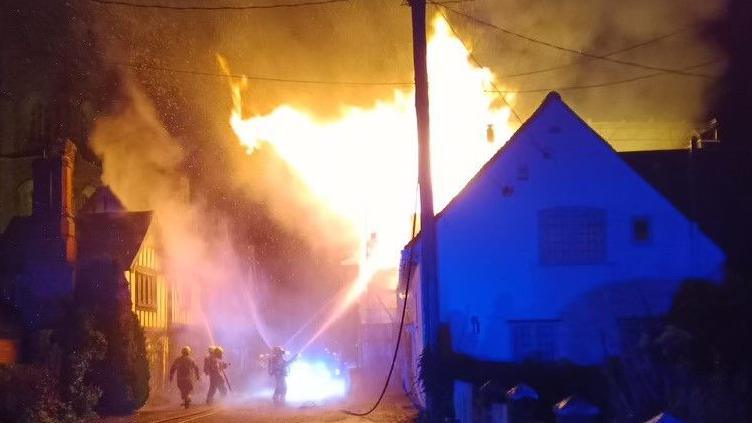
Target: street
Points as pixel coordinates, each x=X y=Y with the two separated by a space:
x=393 y=409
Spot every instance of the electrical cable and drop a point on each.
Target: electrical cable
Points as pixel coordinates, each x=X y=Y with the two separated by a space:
x=567 y=49
x=603 y=84
x=262 y=78
x=216 y=8
x=610 y=53
x=401 y=324
x=477 y=63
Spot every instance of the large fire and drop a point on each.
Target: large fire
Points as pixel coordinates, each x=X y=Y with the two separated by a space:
x=363 y=165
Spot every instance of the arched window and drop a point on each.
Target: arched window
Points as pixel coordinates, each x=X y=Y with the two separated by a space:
x=24 y=198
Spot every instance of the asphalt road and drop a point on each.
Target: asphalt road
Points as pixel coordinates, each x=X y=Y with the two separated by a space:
x=393 y=410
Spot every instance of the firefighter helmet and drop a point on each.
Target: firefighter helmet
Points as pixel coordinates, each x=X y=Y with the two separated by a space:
x=218 y=351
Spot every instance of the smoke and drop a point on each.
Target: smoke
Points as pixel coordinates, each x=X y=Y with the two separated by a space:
x=258 y=196
x=250 y=241
x=143 y=165
x=370 y=41
x=600 y=27
x=134 y=147
x=223 y=294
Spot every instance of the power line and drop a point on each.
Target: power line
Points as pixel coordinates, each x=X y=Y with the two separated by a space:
x=567 y=49
x=261 y=78
x=217 y=8
x=477 y=63
x=610 y=53
x=603 y=84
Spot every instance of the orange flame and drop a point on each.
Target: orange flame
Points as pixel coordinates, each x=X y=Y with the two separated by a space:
x=363 y=165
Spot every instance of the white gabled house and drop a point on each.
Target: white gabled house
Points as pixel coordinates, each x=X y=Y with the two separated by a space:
x=555 y=250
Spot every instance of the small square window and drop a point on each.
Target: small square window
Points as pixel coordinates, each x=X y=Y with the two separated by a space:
x=642 y=231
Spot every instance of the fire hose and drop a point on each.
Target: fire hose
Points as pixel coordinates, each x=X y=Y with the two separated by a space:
x=227 y=381
x=399 y=336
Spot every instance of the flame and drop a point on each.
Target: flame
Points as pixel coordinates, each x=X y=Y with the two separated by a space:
x=363 y=165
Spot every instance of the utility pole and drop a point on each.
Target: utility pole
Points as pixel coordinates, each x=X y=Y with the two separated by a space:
x=428 y=274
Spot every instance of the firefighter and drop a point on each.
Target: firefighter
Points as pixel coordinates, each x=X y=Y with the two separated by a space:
x=278 y=371
x=185 y=369
x=214 y=367
x=207 y=360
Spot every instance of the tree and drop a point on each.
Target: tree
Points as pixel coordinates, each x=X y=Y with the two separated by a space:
x=51 y=384
x=123 y=374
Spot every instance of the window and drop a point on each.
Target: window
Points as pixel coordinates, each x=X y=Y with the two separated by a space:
x=146 y=291
x=572 y=235
x=642 y=231
x=535 y=340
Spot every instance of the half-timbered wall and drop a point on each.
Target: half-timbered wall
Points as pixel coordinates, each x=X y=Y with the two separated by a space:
x=149 y=291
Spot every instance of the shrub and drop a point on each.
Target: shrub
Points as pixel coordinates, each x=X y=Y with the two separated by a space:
x=67 y=354
x=433 y=377
x=123 y=374
x=28 y=393
x=699 y=365
x=83 y=348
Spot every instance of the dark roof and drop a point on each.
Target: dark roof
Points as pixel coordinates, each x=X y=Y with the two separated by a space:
x=711 y=187
x=116 y=235
x=103 y=200
x=106 y=231
x=669 y=172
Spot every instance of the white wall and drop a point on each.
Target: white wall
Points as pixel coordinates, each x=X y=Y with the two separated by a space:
x=488 y=244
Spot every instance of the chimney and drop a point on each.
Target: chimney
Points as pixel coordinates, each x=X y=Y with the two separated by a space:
x=53 y=198
x=49 y=274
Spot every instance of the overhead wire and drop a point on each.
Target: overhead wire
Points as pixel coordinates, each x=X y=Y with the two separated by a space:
x=439 y=5
x=551 y=45
x=610 y=53
x=495 y=88
x=217 y=8
x=262 y=78
x=603 y=84
x=477 y=63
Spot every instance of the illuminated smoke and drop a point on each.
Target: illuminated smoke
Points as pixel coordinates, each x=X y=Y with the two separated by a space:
x=362 y=166
x=314 y=381
x=142 y=164
x=362 y=40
